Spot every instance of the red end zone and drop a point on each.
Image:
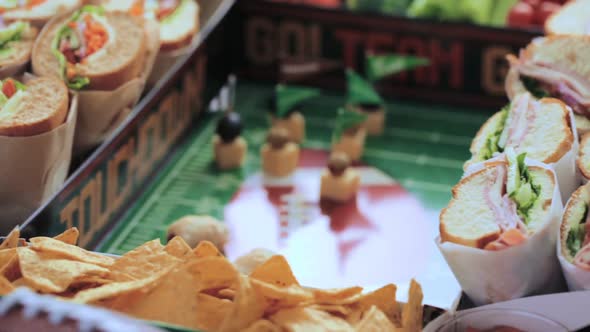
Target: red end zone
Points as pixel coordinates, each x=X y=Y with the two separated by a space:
x=383 y=236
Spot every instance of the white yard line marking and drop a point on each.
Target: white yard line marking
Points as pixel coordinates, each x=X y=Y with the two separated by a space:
x=153 y=198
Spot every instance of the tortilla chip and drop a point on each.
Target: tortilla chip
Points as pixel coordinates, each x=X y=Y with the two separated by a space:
x=143 y=262
x=337 y=295
x=70 y=236
x=226 y=293
x=6 y=255
x=65 y=250
x=177 y=247
x=276 y=271
x=334 y=309
x=20 y=282
x=114 y=289
x=11 y=269
x=384 y=299
x=277 y=298
x=173 y=300
x=213 y=273
x=11 y=240
x=206 y=249
x=374 y=320
x=303 y=319
x=412 y=311
x=49 y=274
x=247 y=308
x=5 y=286
x=211 y=312
x=263 y=325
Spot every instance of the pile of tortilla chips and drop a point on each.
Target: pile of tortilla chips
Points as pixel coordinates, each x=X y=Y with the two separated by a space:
x=198 y=288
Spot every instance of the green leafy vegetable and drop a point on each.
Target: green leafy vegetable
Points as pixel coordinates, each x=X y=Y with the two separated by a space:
x=346 y=120
x=88 y=9
x=534 y=87
x=78 y=82
x=179 y=9
x=12 y=33
x=379 y=66
x=493 y=142
x=360 y=91
x=575 y=237
x=519 y=184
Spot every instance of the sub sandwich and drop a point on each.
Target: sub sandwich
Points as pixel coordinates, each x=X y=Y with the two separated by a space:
x=16 y=44
x=499 y=206
x=541 y=128
x=554 y=66
x=37 y=12
x=573 y=18
x=38 y=106
x=178 y=19
x=575 y=229
x=91 y=49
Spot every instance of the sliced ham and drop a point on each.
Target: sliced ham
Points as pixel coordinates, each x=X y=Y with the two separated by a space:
x=521 y=116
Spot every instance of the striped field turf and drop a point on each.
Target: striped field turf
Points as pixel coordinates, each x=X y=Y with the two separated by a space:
x=423 y=148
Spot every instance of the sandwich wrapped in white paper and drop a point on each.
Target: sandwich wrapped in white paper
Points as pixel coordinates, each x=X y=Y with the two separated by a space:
x=544 y=129
x=571 y=19
x=109 y=77
x=583 y=161
x=573 y=247
x=498 y=233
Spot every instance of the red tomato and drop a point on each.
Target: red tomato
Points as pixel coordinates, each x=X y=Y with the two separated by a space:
x=8 y=88
x=534 y=3
x=521 y=15
x=547 y=9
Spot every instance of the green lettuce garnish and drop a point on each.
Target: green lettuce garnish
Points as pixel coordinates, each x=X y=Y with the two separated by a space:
x=534 y=87
x=65 y=32
x=19 y=87
x=492 y=142
x=347 y=119
x=175 y=13
x=575 y=237
x=519 y=184
x=12 y=33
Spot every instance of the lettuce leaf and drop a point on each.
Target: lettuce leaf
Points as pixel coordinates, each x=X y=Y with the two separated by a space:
x=576 y=235
x=12 y=33
x=520 y=186
x=534 y=87
x=492 y=143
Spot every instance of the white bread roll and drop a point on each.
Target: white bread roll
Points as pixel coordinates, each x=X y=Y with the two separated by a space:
x=18 y=51
x=40 y=14
x=571 y=19
x=42 y=107
x=176 y=30
x=120 y=60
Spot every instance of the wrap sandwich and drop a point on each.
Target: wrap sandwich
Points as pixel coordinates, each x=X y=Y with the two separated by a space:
x=91 y=49
x=573 y=18
x=178 y=19
x=574 y=240
x=37 y=12
x=16 y=44
x=503 y=210
x=540 y=128
x=555 y=66
x=583 y=161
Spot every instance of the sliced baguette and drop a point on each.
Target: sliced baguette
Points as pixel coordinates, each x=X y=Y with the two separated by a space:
x=549 y=138
x=174 y=35
x=21 y=49
x=572 y=216
x=469 y=221
x=122 y=60
x=571 y=19
x=39 y=15
x=44 y=107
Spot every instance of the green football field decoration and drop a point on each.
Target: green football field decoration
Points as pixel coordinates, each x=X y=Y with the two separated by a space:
x=380 y=66
x=361 y=91
x=347 y=119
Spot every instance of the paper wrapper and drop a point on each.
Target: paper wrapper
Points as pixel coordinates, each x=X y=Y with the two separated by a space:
x=495 y=276
x=101 y=112
x=567 y=172
x=33 y=168
x=165 y=61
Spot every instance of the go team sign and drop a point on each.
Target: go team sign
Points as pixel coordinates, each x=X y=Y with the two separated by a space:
x=467 y=62
x=96 y=196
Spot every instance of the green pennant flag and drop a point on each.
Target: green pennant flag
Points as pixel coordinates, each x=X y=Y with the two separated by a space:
x=380 y=66
x=288 y=97
x=347 y=119
x=360 y=91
